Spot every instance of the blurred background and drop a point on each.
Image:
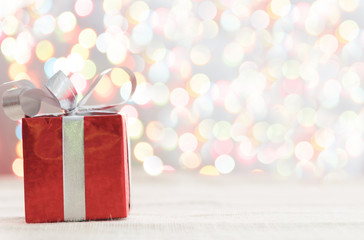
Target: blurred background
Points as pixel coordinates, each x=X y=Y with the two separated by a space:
x=224 y=86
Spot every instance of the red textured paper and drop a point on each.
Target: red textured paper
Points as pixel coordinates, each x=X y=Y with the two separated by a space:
x=43 y=169
x=106 y=168
x=105 y=176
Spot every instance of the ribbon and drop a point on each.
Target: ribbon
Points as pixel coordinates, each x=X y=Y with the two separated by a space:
x=74 y=196
x=26 y=99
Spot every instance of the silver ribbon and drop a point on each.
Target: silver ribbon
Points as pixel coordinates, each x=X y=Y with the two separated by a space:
x=74 y=197
x=26 y=99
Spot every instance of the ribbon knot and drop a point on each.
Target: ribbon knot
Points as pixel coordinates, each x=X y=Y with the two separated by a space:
x=26 y=99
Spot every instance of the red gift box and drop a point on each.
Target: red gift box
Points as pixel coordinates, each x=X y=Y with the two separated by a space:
x=66 y=182
x=76 y=165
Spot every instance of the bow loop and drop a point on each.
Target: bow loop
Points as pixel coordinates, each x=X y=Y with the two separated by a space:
x=15 y=104
x=62 y=89
x=97 y=79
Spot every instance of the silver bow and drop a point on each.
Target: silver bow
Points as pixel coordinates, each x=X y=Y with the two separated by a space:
x=26 y=99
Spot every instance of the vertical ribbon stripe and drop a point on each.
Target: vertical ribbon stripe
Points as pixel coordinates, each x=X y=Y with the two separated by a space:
x=73 y=168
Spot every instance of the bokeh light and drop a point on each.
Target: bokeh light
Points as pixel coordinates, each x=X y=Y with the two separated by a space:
x=87 y=38
x=66 y=21
x=225 y=164
x=257 y=87
x=304 y=151
x=209 y=170
x=112 y=6
x=153 y=165
x=46 y=24
x=104 y=87
x=190 y=160
x=139 y=11
x=135 y=128
x=143 y=150
x=280 y=7
x=19 y=149
x=187 y=142
x=84 y=8
x=17 y=167
x=44 y=50
x=348 y=30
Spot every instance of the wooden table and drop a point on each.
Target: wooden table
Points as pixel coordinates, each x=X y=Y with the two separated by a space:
x=190 y=206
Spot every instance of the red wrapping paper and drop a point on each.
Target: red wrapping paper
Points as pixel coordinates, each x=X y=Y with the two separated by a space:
x=106 y=168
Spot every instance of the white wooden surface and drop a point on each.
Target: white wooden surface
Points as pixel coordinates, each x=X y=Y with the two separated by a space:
x=188 y=206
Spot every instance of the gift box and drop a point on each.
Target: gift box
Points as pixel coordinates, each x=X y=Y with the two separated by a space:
x=75 y=168
x=76 y=163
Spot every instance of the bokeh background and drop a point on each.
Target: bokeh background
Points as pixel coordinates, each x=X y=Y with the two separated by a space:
x=224 y=86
